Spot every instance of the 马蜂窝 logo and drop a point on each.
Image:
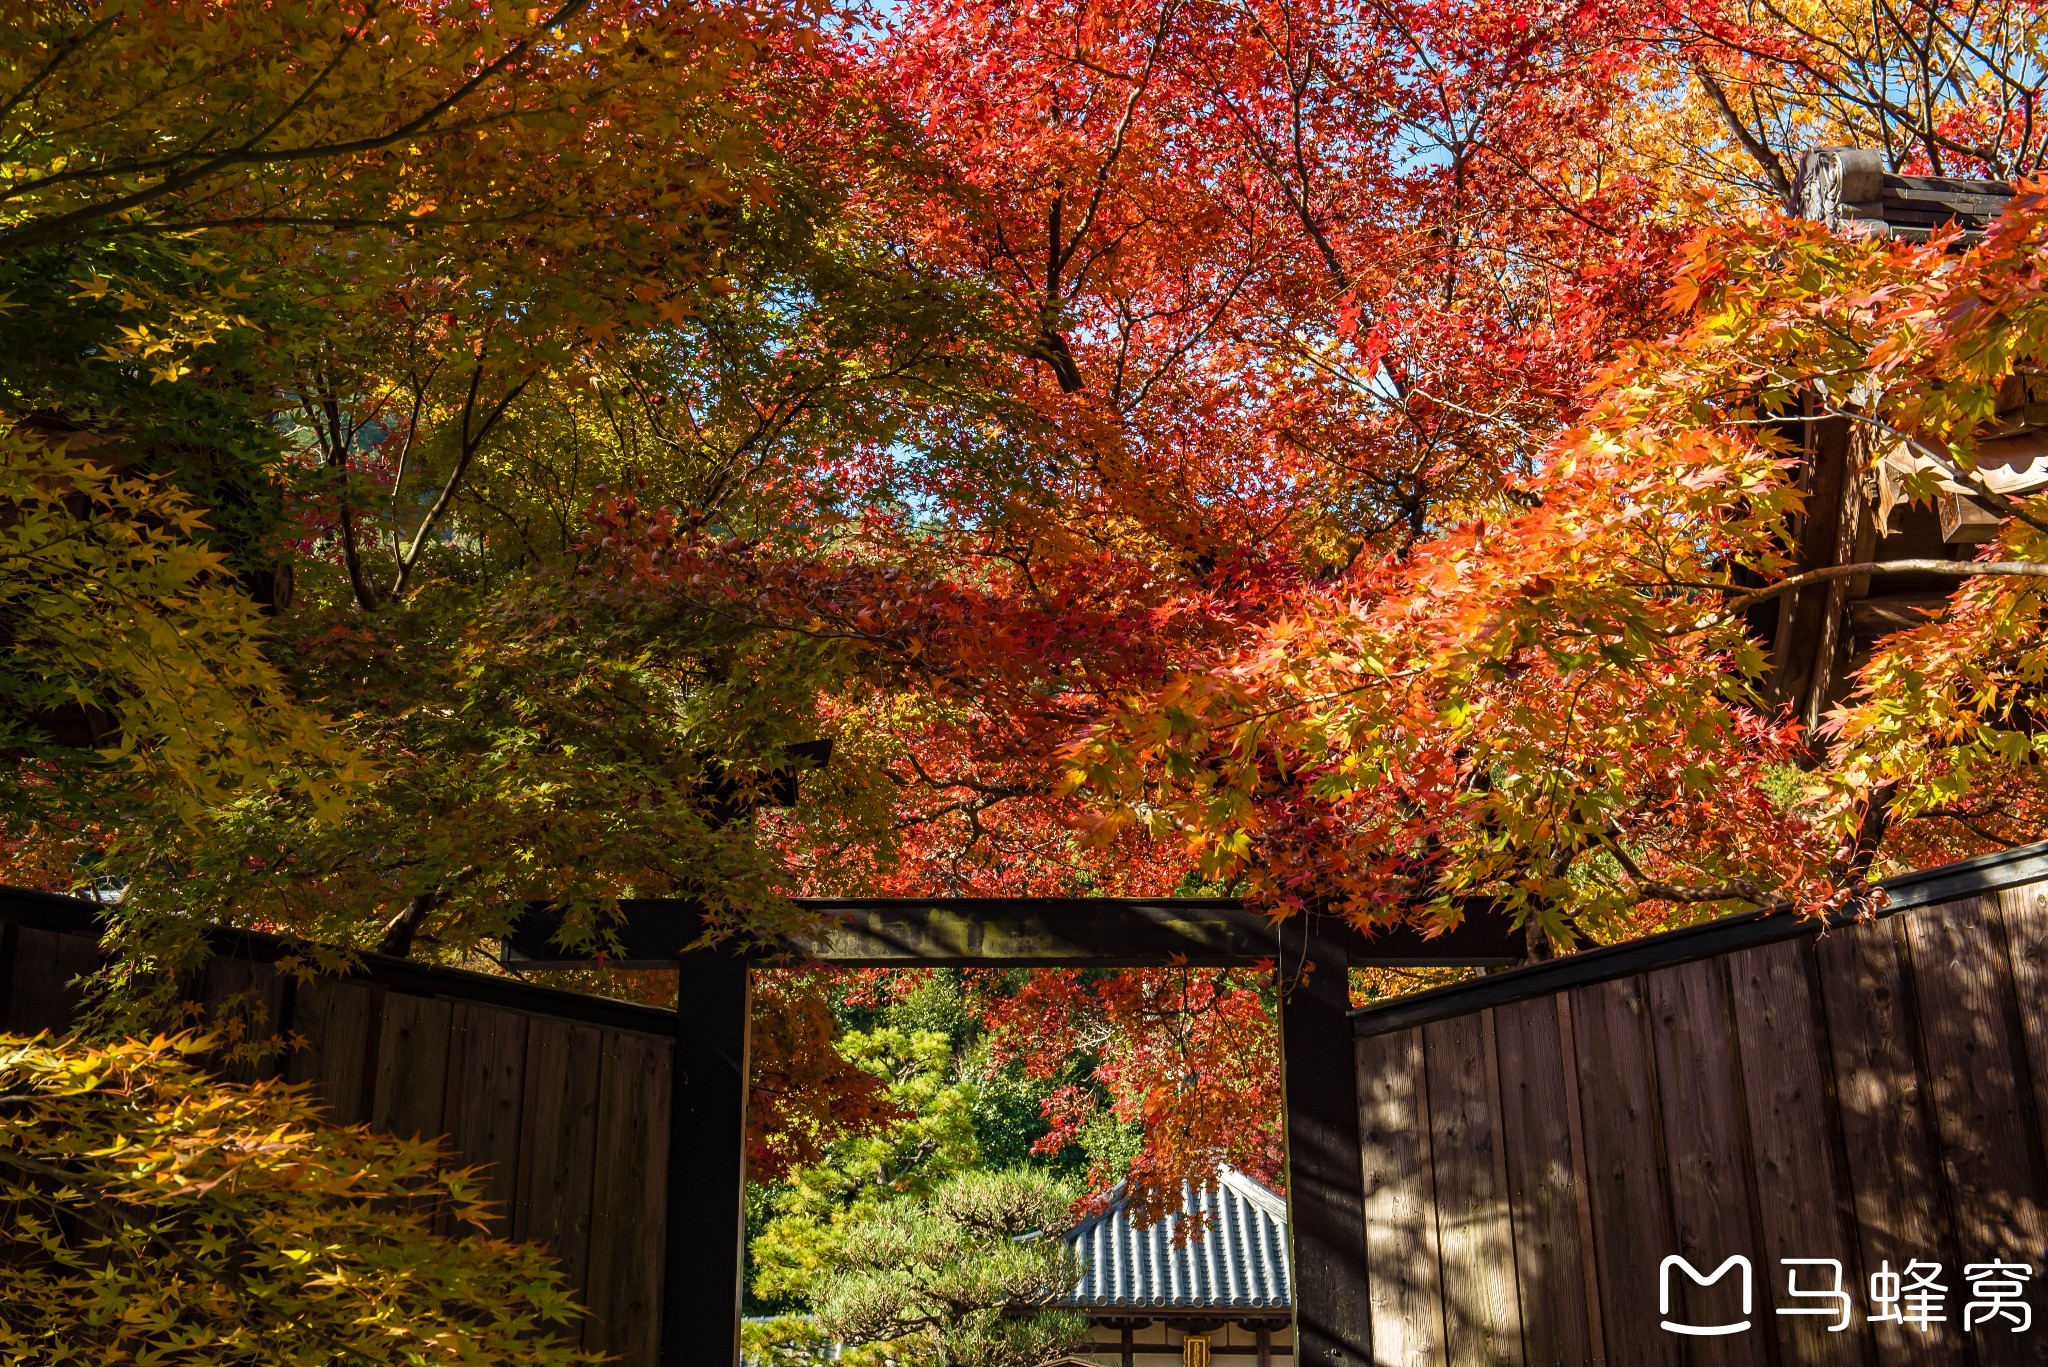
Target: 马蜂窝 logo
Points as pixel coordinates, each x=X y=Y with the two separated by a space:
x=1674 y=1263
x=1915 y=1297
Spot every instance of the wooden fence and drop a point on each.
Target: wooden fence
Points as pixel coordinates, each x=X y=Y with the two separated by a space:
x=1537 y=1143
x=1537 y=1147
x=563 y=1098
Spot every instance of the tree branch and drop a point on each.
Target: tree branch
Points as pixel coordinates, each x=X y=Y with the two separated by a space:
x=1960 y=569
x=250 y=153
x=471 y=443
x=1759 y=151
x=1851 y=862
x=1657 y=889
x=65 y=52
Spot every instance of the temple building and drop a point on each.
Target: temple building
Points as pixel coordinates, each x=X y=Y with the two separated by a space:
x=1209 y=1282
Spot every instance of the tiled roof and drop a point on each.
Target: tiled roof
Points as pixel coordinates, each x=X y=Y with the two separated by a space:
x=1238 y=1263
x=1849 y=188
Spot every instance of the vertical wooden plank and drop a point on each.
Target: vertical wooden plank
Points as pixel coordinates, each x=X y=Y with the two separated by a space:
x=1901 y=1213
x=412 y=1066
x=2025 y=913
x=487 y=1070
x=1632 y=1228
x=1543 y=1185
x=1400 y=1204
x=1802 y=1193
x=1582 y=1190
x=10 y=943
x=333 y=1019
x=558 y=1148
x=1699 y=1092
x=46 y=964
x=1982 y=1097
x=243 y=1001
x=1475 y=1242
x=629 y=1198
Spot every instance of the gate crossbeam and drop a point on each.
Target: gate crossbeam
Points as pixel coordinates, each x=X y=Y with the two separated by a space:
x=1027 y=932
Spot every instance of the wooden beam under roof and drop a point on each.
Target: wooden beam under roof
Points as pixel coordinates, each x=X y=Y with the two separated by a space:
x=1025 y=932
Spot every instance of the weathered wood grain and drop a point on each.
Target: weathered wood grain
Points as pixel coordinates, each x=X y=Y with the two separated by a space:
x=1699 y=1098
x=1894 y=1172
x=2025 y=913
x=412 y=1067
x=1632 y=1226
x=1803 y=1198
x=335 y=1023
x=1401 y=1262
x=558 y=1148
x=1582 y=1188
x=1475 y=1239
x=486 y=1077
x=1543 y=1185
x=1982 y=1101
x=628 y=1198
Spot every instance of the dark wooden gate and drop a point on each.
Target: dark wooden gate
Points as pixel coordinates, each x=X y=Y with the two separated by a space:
x=582 y=1106
x=1537 y=1143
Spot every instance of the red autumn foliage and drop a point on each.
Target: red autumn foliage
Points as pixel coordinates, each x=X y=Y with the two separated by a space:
x=1189 y=1054
x=801 y=1093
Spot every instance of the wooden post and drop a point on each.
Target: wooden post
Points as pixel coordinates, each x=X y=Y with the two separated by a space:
x=1325 y=1179
x=705 y=1244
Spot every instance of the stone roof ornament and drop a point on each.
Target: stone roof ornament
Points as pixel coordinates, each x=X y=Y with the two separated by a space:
x=1849 y=189
x=1831 y=177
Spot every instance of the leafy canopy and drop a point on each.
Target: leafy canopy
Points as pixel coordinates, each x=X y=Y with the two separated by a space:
x=1303 y=448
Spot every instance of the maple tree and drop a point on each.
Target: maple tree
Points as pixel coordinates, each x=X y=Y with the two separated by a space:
x=1562 y=707
x=108 y=600
x=1188 y=1059
x=1551 y=142
x=806 y=1087
x=1327 y=377
x=158 y=1212
x=1940 y=88
x=1313 y=448
x=425 y=120
x=253 y=252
